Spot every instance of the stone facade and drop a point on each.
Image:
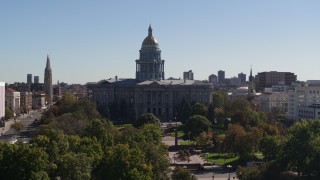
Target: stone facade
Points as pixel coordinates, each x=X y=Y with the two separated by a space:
x=38 y=100
x=162 y=98
x=150 y=92
x=304 y=101
x=13 y=100
x=275 y=101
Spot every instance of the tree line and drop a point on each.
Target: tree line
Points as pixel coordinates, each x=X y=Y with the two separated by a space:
x=75 y=142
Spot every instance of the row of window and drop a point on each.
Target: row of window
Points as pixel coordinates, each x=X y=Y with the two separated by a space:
x=314 y=92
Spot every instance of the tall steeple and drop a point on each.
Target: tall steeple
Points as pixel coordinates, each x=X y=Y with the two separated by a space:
x=48 y=62
x=251 y=87
x=250 y=77
x=48 y=89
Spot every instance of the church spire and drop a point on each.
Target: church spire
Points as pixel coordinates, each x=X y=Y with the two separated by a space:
x=250 y=77
x=48 y=89
x=150 y=30
x=48 y=62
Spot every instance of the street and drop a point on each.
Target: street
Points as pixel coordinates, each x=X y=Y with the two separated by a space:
x=9 y=134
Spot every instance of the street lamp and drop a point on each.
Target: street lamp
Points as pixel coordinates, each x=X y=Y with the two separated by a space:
x=229 y=167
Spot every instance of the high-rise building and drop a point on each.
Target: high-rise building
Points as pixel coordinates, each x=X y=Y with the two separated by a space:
x=149 y=91
x=267 y=79
x=213 y=79
x=188 y=75
x=48 y=89
x=2 y=100
x=221 y=77
x=243 y=78
x=150 y=66
x=36 y=79
x=29 y=78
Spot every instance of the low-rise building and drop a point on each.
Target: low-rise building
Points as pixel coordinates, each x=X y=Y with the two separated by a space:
x=268 y=79
x=274 y=101
x=12 y=100
x=304 y=101
x=25 y=101
x=39 y=100
x=235 y=81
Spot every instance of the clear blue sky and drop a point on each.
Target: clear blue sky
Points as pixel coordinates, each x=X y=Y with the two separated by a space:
x=93 y=40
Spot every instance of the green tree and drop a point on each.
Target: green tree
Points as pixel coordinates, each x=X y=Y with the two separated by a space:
x=39 y=175
x=271 y=146
x=199 y=109
x=146 y=118
x=122 y=162
x=211 y=115
x=152 y=133
x=86 y=145
x=75 y=166
x=184 y=112
x=218 y=99
x=180 y=173
x=22 y=161
x=104 y=111
x=18 y=126
x=203 y=139
x=8 y=113
x=195 y=125
x=243 y=143
x=302 y=149
x=66 y=103
x=233 y=137
x=240 y=104
x=103 y=131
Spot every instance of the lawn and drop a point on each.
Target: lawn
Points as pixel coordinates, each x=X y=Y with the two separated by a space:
x=180 y=134
x=259 y=155
x=224 y=158
x=220 y=159
x=122 y=126
x=186 y=143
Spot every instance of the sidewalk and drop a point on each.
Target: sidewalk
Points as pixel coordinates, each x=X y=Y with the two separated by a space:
x=7 y=125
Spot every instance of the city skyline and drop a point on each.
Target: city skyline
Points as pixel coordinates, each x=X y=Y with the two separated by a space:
x=90 y=41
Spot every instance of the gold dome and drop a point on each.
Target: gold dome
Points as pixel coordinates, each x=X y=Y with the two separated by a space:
x=150 y=40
